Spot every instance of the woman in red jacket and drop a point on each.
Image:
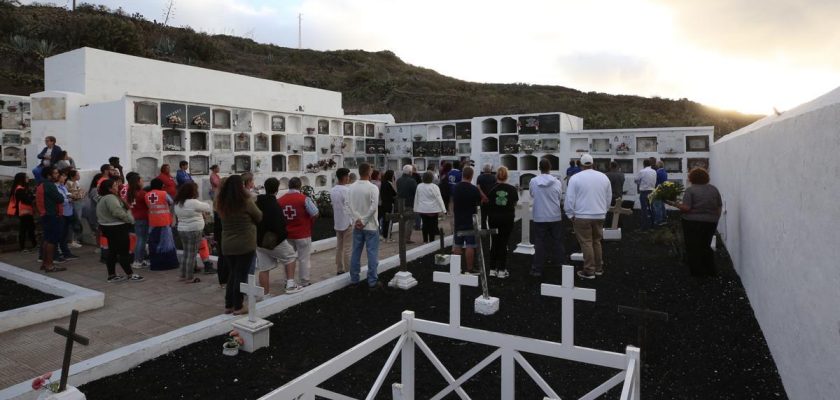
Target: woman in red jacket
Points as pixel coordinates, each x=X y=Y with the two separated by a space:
x=20 y=205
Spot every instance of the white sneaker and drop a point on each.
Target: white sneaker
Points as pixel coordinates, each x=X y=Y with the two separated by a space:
x=502 y=274
x=291 y=287
x=493 y=273
x=138 y=265
x=74 y=245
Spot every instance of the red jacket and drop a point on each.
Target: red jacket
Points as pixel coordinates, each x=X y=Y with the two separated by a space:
x=298 y=221
x=168 y=184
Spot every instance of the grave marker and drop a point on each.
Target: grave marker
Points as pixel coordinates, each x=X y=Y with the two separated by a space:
x=254 y=331
x=455 y=279
x=72 y=337
x=569 y=293
x=484 y=304
x=403 y=279
x=524 y=207
x=614 y=232
x=643 y=314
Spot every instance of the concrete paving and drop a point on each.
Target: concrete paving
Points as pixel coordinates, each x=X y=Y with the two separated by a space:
x=132 y=311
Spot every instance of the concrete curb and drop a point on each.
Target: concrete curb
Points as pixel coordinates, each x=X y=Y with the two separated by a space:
x=72 y=298
x=127 y=357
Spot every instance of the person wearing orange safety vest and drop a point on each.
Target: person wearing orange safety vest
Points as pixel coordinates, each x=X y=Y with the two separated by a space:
x=162 y=253
x=300 y=212
x=20 y=205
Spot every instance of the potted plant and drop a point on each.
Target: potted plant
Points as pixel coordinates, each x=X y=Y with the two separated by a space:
x=232 y=344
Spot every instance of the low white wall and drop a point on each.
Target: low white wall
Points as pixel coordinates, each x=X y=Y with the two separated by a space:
x=780 y=182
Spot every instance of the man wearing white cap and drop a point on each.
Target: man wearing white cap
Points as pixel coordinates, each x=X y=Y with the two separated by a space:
x=588 y=198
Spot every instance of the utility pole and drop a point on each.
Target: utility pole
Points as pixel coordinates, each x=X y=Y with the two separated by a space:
x=300 y=21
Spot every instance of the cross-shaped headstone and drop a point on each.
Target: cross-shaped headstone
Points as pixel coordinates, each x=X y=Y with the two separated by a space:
x=643 y=314
x=479 y=233
x=569 y=293
x=71 y=336
x=289 y=212
x=616 y=211
x=455 y=279
x=253 y=291
x=524 y=208
x=402 y=217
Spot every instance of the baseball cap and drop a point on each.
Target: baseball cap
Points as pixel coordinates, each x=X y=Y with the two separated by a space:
x=586 y=159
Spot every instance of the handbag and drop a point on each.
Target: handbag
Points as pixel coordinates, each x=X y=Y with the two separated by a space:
x=270 y=240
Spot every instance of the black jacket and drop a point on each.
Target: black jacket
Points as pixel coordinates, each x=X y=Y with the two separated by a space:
x=272 y=220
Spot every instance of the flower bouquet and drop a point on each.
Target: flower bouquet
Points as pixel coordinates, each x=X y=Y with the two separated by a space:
x=174 y=120
x=622 y=148
x=232 y=344
x=668 y=191
x=200 y=122
x=43 y=382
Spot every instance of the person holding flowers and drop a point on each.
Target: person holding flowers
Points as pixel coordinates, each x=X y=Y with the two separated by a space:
x=701 y=207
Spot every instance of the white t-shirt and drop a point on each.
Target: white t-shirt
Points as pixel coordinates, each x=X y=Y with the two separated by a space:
x=190 y=216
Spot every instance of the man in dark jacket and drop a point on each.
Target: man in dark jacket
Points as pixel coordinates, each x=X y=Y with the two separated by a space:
x=406 y=187
x=272 y=246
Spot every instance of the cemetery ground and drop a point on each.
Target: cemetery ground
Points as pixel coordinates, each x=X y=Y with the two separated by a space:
x=14 y=295
x=710 y=348
x=133 y=311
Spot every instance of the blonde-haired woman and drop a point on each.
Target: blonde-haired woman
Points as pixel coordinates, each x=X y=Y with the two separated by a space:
x=502 y=199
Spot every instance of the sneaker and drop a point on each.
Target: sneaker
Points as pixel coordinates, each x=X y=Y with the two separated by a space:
x=304 y=284
x=60 y=260
x=502 y=274
x=584 y=275
x=138 y=265
x=74 y=245
x=210 y=271
x=493 y=273
x=293 y=289
x=135 y=278
x=116 y=278
x=71 y=257
x=599 y=273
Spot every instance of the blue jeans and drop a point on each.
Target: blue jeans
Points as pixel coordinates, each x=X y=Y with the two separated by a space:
x=644 y=203
x=548 y=236
x=658 y=209
x=141 y=229
x=369 y=240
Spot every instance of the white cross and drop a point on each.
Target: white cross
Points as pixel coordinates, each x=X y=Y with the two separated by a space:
x=455 y=279
x=616 y=211
x=290 y=212
x=253 y=291
x=524 y=207
x=569 y=293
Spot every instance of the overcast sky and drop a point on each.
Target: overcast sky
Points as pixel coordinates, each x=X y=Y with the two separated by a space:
x=743 y=55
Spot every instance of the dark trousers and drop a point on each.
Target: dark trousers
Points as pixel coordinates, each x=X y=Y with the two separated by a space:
x=384 y=222
x=698 y=251
x=222 y=270
x=26 y=230
x=548 y=238
x=430 y=227
x=485 y=214
x=446 y=198
x=65 y=234
x=118 y=248
x=644 y=203
x=499 y=249
x=238 y=266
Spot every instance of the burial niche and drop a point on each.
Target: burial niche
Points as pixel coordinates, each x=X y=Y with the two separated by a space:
x=420 y=164
x=698 y=163
x=579 y=145
x=529 y=163
x=646 y=144
x=199 y=165
x=173 y=115
x=508 y=125
x=173 y=140
x=278 y=163
x=525 y=179
x=242 y=164
x=489 y=125
x=601 y=164
x=242 y=142
x=11 y=153
x=464 y=148
x=448 y=132
x=697 y=143
x=509 y=162
x=462 y=130
x=278 y=143
x=321 y=180
x=293 y=163
x=284 y=183
x=553 y=160
x=490 y=145
x=293 y=124
x=261 y=122
x=221 y=141
x=549 y=123
x=145 y=112
x=323 y=127
x=261 y=142
x=529 y=124
x=278 y=123
x=625 y=165
x=308 y=144
x=370 y=130
x=198 y=141
x=673 y=164
x=199 y=117
x=433 y=132
x=148 y=168
x=359 y=129
x=348 y=128
x=242 y=120
x=601 y=146
x=173 y=160
x=221 y=118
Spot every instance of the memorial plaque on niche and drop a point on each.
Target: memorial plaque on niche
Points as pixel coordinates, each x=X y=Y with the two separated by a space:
x=348 y=128
x=173 y=115
x=625 y=166
x=646 y=144
x=697 y=143
x=242 y=163
x=369 y=130
x=601 y=145
x=601 y=164
x=221 y=119
x=145 y=112
x=242 y=142
x=198 y=141
x=670 y=143
x=448 y=132
x=199 y=117
x=242 y=120
x=550 y=145
x=323 y=127
x=508 y=143
x=447 y=148
x=199 y=165
x=462 y=130
x=426 y=149
x=672 y=164
x=529 y=124
x=374 y=146
x=10 y=138
x=278 y=123
x=221 y=141
x=147 y=167
x=261 y=142
x=43 y=108
x=549 y=123
x=698 y=163
x=359 y=129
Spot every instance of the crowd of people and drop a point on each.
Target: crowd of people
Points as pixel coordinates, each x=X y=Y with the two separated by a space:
x=135 y=224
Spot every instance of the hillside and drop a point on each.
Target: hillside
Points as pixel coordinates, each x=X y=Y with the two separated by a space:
x=371 y=83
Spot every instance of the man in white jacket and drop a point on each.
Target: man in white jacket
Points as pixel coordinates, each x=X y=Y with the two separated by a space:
x=361 y=205
x=587 y=201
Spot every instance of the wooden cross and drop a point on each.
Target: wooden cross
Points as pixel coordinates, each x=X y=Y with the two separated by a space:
x=71 y=336
x=616 y=211
x=402 y=217
x=569 y=293
x=643 y=314
x=524 y=207
x=479 y=233
x=455 y=279
x=253 y=291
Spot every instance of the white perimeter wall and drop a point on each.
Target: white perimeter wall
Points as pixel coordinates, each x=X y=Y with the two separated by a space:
x=106 y=76
x=780 y=182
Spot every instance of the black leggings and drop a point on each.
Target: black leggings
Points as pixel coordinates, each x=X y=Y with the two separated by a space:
x=499 y=250
x=430 y=227
x=118 y=248
x=698 y=251
x=26 y=231
x=238 y=266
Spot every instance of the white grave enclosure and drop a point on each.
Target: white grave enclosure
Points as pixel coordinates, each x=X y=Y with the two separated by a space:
x=15 y=124
x=783 y=243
